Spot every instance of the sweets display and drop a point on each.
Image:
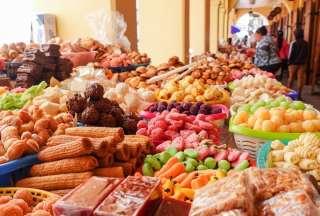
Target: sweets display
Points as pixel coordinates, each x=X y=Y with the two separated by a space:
x=273 y=189
x=192 y=90
x=92 y=109
x=130 y=99
x=149 y=140
x=42 y=64
x=85 y=198
x=211 y=73
x=138 y=77
x=25 y=132
x=12 y=100
x=22 y=203
x=301 y=153
x=133 y=196
x=185 y=131
x=278 y=115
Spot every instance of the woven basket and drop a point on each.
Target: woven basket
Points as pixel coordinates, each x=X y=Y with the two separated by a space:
x=37 y=195
x=249 y=144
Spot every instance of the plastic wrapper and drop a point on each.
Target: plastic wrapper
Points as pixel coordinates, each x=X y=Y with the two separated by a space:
x=232 y=192
x=134 y=196
x=269 y=182
x=173 y=207
x=109 y=28
x=290 y=203
x=236 y=212
x=276 y=192
x=85 y=77
x=82 y=200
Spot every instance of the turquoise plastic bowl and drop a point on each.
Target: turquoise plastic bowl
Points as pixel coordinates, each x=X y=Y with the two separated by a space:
x=263 y=154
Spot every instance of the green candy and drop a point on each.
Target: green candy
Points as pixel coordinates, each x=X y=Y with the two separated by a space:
x=193 y=162
x=172 y=151
x=202 y=167
x=210 y=162
x=191 y=153
x=224 y=164
x=164 y=157
x=180 y=155
x=242 y=166
x=189 y=167
x=154 y=163
x=147 y=170
x=157 y=156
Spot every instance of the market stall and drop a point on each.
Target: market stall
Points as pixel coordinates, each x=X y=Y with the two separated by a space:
x=116 y=135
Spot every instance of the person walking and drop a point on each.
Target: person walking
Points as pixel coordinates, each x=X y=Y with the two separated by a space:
x=266 y=57
x=298 y=59
x=283 y=53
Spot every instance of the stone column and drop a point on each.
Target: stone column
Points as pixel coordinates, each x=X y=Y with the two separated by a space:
x=214 y=25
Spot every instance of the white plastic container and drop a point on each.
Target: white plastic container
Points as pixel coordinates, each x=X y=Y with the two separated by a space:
x=43 y=28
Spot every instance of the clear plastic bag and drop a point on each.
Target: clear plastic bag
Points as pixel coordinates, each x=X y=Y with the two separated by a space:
x=109 y=28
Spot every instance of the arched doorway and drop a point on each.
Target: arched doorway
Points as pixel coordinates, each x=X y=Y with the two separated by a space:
x=250 y=22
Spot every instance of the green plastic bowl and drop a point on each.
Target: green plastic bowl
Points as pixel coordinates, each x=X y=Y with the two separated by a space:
x=261 y=134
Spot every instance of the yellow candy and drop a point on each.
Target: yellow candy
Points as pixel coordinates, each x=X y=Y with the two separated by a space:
x=258 y=125
x=251 y=121
x=309 y=126
x=268 y=126
x=296 y=127
x=316 y=123
x=220 y=174
x=168 y=188
x=284 y=129
x=309 y=115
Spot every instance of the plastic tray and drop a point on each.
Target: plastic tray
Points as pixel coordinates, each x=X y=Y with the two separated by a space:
x=37 y=195
x=128 y=68
x=263 y=159
x=15 y=170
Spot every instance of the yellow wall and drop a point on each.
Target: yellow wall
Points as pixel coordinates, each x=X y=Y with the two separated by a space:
x=161 y=29
x=197 y=26
x=71 y=15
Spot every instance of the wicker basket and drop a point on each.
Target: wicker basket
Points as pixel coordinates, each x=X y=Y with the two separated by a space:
x=251 y=140
x=38 y=195
x=249 y=144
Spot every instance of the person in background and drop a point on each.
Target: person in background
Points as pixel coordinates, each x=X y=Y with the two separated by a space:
x=245 y=41
x=252 y=40
x=298 y=58
x=283 y=52
x=266 y=57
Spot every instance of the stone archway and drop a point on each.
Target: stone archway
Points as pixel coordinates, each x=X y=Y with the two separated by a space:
x=250 y=22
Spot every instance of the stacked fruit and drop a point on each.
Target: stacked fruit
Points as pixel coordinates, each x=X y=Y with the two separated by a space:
x=279 y=115
x=186 y=131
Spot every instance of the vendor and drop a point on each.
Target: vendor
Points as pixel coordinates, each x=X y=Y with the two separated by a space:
x=266 y=57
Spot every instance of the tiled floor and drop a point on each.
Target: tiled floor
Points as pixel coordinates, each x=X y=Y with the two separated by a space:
x=311 y=99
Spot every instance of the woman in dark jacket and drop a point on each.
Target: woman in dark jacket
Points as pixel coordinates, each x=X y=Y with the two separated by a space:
x=298 y=58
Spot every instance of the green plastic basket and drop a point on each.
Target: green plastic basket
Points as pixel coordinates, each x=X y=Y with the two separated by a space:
x=261 y=134
x=263 y=160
